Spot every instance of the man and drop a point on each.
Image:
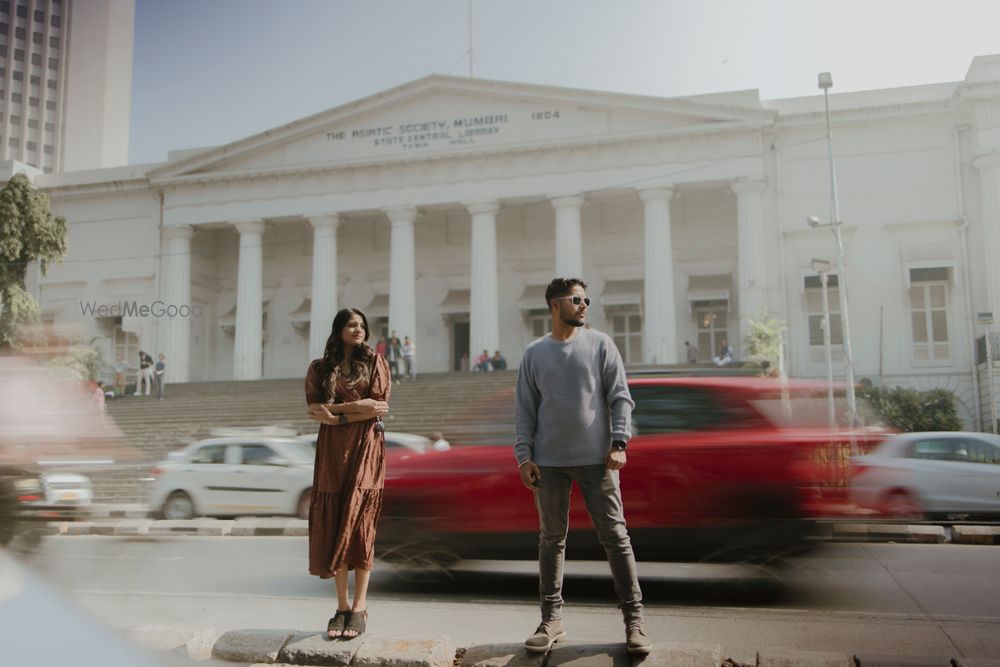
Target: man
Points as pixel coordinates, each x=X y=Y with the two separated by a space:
x=145 y=373
x=409 y=357
x=572 y=421
x=498 y=362
x=483 y=361
x=692 y=352
x=725 y=356
x=161 y=367
x=394 y=356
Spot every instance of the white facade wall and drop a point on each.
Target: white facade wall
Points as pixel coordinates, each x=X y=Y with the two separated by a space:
x=911 y=164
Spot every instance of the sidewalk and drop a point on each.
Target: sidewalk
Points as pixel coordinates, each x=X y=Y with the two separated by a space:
x=290 y=647
x=130 y=520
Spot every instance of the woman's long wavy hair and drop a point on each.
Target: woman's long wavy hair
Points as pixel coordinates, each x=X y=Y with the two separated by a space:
x=333 y=354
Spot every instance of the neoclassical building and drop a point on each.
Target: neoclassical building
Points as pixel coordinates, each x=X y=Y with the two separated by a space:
x=443 y=207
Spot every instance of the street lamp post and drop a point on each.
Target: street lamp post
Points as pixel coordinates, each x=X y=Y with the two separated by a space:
x=986 y=319
x=826 y=82
x=823 y=269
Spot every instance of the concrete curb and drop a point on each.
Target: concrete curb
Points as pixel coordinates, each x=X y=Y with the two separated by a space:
x=976 y=534
x=293 y=647
x=192 y=527
x=883 y=532
x=110 y=511
x=287 y=527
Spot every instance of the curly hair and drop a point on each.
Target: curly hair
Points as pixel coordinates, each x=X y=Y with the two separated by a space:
x=362 y=359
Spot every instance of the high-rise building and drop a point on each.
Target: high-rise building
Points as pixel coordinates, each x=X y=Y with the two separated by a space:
x=66 y=82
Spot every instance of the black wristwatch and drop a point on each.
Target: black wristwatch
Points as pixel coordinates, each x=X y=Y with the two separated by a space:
x=619 y=445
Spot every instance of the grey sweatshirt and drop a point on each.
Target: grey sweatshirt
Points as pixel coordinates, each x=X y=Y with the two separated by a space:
x=572 y=400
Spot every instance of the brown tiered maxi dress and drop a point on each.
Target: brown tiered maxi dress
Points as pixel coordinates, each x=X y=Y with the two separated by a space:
x=348 y=477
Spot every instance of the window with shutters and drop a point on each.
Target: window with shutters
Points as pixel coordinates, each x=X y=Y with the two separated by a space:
x=929 y=314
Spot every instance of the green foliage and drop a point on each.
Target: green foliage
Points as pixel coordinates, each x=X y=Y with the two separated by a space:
x=912 y=410
x=28 y=233
x=763 y=343
x=83 y=361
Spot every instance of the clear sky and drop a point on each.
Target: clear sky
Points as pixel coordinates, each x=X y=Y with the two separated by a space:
x=207 y=72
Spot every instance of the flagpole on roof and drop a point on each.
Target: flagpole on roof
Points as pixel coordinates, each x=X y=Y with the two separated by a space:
x=472 y=50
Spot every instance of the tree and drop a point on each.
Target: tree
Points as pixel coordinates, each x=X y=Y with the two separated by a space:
x=29 y=232
x=82 y=360
x=911 y=410
x=763 y=343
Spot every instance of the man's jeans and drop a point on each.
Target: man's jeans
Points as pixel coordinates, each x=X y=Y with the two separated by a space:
x=602 y=496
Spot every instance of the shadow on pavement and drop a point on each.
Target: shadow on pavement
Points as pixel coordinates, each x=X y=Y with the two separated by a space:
x=596 y=589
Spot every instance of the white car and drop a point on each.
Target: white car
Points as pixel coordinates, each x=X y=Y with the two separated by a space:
x=915 y=474
x=66 y=488
x=233 y=476
x=418 y=444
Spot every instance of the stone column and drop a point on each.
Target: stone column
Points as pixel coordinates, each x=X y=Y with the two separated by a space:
x=751 y=250
x=402 y=272
x=249 y=301
x=175 y=290
x=484 y=329
x=659 y=319
x=324 y=281
x=569 y=236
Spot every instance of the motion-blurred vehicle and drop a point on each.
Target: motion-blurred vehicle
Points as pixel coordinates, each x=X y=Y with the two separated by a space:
x=416 y=444
x=49 y=421
x=26 y=508
x=914 y=475
x=20 y=493
x=232 y=476
x=68 y=489
x=712 y=475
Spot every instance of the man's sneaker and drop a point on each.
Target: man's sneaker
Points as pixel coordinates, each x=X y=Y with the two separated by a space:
x=547 y=634
x=637 y=641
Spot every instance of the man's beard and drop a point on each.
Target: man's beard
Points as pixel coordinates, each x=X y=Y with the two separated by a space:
x=575 y=321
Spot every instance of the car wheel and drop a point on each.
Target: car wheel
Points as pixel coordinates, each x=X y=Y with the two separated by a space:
x=903 y=504
x=304 y=501
x=178 y=506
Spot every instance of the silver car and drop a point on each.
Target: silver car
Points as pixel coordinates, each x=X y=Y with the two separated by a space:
x=916 y=474
x=234 y=476
x=67 y=488
x=416 y=444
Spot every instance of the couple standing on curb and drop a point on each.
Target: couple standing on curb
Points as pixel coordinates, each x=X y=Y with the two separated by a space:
x=572 y=422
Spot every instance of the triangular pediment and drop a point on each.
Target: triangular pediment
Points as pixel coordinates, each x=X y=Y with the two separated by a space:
x=441 y=115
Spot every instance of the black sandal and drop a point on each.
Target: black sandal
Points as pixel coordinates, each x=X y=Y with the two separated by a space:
x=356 y=621
x=337 y=623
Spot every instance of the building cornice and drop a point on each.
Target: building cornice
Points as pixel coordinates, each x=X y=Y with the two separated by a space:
x=736 y=129
x=134 y=186
x=891 y=111
x=974 y=92
x=432 y=84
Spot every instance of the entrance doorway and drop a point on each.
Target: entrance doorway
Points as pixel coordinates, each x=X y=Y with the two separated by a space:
x=712 y=319
x=459 y=344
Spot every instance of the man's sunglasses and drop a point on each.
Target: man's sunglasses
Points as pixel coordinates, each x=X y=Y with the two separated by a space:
x=576 y=299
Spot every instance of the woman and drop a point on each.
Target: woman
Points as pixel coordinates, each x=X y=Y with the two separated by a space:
x=347 y=391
